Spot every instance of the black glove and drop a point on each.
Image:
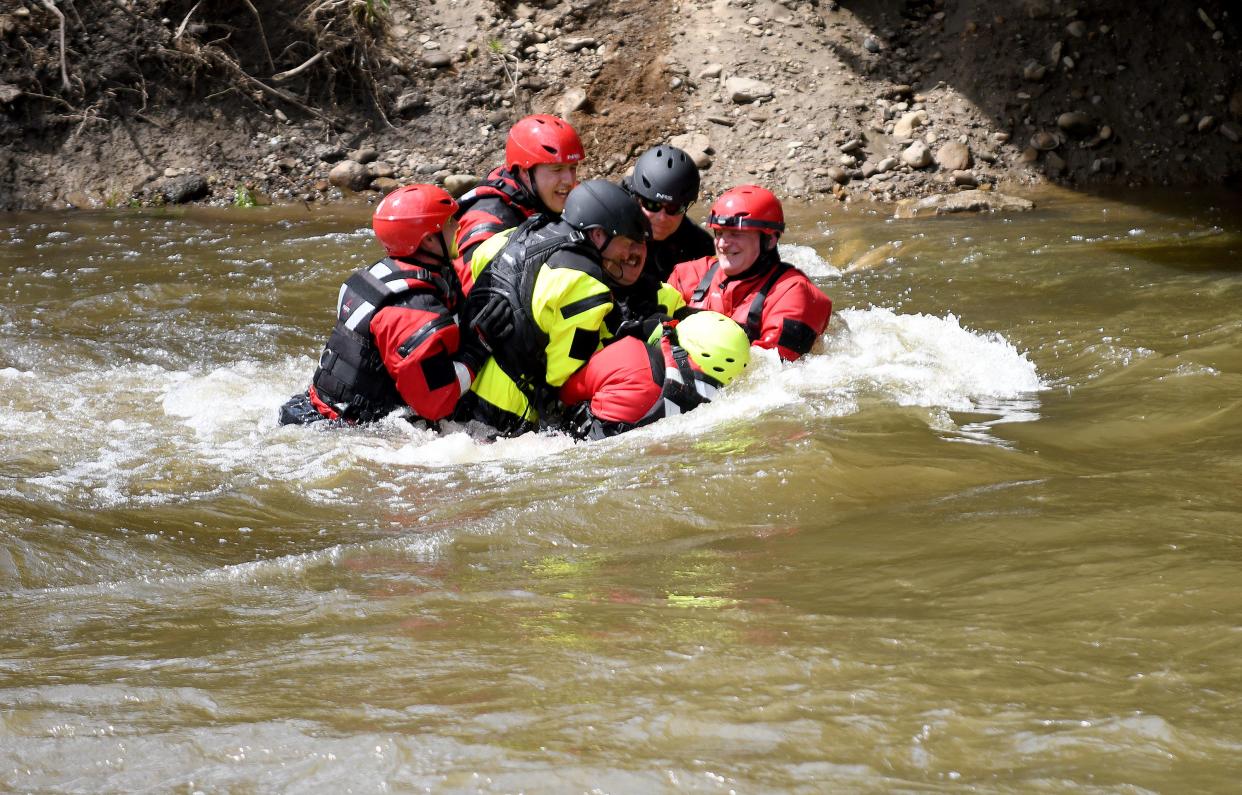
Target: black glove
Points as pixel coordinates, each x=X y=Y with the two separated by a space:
x=472 y=353
x=642 y=328
x=579 y=421
x=492 y=324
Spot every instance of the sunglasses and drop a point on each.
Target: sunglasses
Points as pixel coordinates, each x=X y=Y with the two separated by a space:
x=655 y=206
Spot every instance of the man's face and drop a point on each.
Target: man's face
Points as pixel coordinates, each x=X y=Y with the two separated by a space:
x=623 y=260
x=433 y=244
x=737 y=249
x=553 y=182
x=663 y=222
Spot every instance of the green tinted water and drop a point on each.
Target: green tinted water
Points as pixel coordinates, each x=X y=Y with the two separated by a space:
x=986 y=537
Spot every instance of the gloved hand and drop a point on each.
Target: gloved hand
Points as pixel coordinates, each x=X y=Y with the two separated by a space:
x=579 y=421
x=493 y=322
x=642 y=328
x=472 y=353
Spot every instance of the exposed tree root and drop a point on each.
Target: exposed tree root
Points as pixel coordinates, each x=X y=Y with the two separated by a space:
x=297 y=70
x=329 y=58
x=66 y=86
x=215 y=57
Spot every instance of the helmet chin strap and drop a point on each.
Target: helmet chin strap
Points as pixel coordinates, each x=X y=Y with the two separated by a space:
x=768 y=252
x=440 y=259
x=616 y=277
x=446 y=261
x=608 y=238
x=526 y=179
x=604 y=262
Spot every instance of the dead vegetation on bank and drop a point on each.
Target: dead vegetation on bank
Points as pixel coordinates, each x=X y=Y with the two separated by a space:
x=102 y=101
x=160 y=89
x=92 y=62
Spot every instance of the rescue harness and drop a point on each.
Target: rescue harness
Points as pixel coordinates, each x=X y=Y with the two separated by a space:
x=754 y=316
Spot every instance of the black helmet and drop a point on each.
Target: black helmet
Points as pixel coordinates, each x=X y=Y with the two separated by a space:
x=665 y=174
x=599 y=204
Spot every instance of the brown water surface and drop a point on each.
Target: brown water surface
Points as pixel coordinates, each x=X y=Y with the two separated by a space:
x=987 y=537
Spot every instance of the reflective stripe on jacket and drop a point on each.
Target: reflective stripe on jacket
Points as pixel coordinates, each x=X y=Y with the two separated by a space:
x=392 y=346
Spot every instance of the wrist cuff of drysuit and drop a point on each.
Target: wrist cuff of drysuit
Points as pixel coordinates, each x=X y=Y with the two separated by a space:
x=465 y=375
x=472 y=358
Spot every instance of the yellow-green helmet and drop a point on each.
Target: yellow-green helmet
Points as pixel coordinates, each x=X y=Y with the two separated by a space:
x=716 y=344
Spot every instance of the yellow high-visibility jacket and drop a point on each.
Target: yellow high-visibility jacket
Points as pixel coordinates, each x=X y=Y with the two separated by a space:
x=563 y=316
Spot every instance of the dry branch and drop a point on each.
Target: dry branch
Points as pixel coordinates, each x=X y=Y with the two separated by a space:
x=503 y=59
x=186 y=21
x=64 y=69
x=319 y=56
x=262 y=36
x=49 y=98
x=214 y=57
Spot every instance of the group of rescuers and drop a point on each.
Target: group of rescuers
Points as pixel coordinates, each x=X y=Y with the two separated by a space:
x=538 y=302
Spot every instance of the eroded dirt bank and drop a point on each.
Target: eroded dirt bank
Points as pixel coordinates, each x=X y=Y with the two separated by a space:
x=163 y=101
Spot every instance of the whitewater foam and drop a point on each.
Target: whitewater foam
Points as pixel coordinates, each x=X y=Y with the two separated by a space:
x=805 y=259
x=135 y=424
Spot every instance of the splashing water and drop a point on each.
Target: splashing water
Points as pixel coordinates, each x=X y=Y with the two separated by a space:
x=224 y=421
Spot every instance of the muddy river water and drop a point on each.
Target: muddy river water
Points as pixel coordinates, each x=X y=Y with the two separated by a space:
x=987 y=537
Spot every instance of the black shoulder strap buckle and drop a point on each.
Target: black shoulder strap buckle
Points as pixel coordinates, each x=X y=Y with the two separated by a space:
x=700 y=292
x=541 y=251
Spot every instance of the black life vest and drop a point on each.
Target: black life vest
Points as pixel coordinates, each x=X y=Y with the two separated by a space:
x=502 y=184
x=510 y=277
x=754 y=316
x=688 y=241
x=351 y=377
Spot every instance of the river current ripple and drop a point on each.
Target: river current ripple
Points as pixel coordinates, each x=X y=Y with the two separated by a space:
x=985 y=537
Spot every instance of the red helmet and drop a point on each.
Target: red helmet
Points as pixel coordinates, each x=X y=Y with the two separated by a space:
x=748 y=207
x=542 y=139
x=407 y=215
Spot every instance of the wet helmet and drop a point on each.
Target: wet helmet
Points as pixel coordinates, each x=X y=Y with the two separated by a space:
x=748 y=207
x=599 y=204
x=407 y=215
x=542 y=139
x=717 y=345
x=665 y=174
